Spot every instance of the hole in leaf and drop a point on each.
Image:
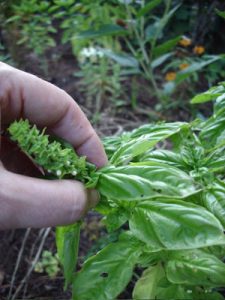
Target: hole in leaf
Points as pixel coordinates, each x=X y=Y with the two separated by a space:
x=157 y=190
x=104 y=274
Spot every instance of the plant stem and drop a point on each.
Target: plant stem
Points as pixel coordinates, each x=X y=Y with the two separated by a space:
x=27 y=232
x=153 y=44
x=159 y=28
x=146 y=61
x=37 y=256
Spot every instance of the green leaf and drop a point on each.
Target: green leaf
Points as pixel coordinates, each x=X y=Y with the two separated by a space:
x=105 y=275
x=165 y=47
x=158 y=130
x=195 y=67
x=67 y=241
x=115 y=219
x=168 y=291
x=220 y=102
x=65 y=3
x=13 y=19
x=160 y=60
x=154 y=31
x=139 y=182
x=208 y=294
x=115 y=145
x=165 y=157
x=218 y=163
x=142 y=139
x=124 y=60
x=151 y=30
x=175 y=224
x=196 y=267
x=104 y=30
x=220 y=13
x=206 y=60
x=211 y=94
x=146 y=286
x=154 y=285
x=214 y=200
x=148 y=7
x=213 y=130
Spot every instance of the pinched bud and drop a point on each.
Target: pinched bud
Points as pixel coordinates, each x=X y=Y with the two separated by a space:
x=56 y=158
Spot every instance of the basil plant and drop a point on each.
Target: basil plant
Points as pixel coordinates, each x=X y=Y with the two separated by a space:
x=163 y=191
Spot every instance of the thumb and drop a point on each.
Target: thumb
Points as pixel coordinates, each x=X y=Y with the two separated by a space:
x=32 y=202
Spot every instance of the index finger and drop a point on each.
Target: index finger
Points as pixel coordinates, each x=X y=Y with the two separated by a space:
x=23 y=95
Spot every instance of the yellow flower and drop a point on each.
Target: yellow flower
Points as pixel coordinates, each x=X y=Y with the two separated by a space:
x=199 y=50
x=170 y=76
x=185 y=42
x=183 y=66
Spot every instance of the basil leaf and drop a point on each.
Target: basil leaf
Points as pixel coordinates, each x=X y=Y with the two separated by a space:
x=196 y=268
x=168 y=291
x=216 y=160
x=139 y=182
x=153 y=284
x=220 y=101
x=213 y=131
x=167 y=157
x=208 y=294
x=212 y=94
x=67 y=242
x=112 y=144
x=175 y=224
x=105 y=275
x=115 y=219
x=214 y=200
x=146 y=286
x=144 y=138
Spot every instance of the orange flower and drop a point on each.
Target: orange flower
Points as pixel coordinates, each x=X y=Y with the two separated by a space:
x=185 y=42
x=170 y=76
x=198 y=50
x=183 y=66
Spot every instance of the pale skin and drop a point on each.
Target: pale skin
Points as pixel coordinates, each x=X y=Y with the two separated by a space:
x=32 y=202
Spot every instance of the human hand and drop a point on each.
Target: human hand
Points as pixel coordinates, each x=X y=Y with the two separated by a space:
x=31 y=202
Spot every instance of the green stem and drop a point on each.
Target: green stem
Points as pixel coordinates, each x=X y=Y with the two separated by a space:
x=146 y=62
x=142 y=22
x=147 y=72
x=153 y=43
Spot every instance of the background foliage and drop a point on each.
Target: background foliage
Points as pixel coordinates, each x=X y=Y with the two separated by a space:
x=167 y=46
x=126 y=63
